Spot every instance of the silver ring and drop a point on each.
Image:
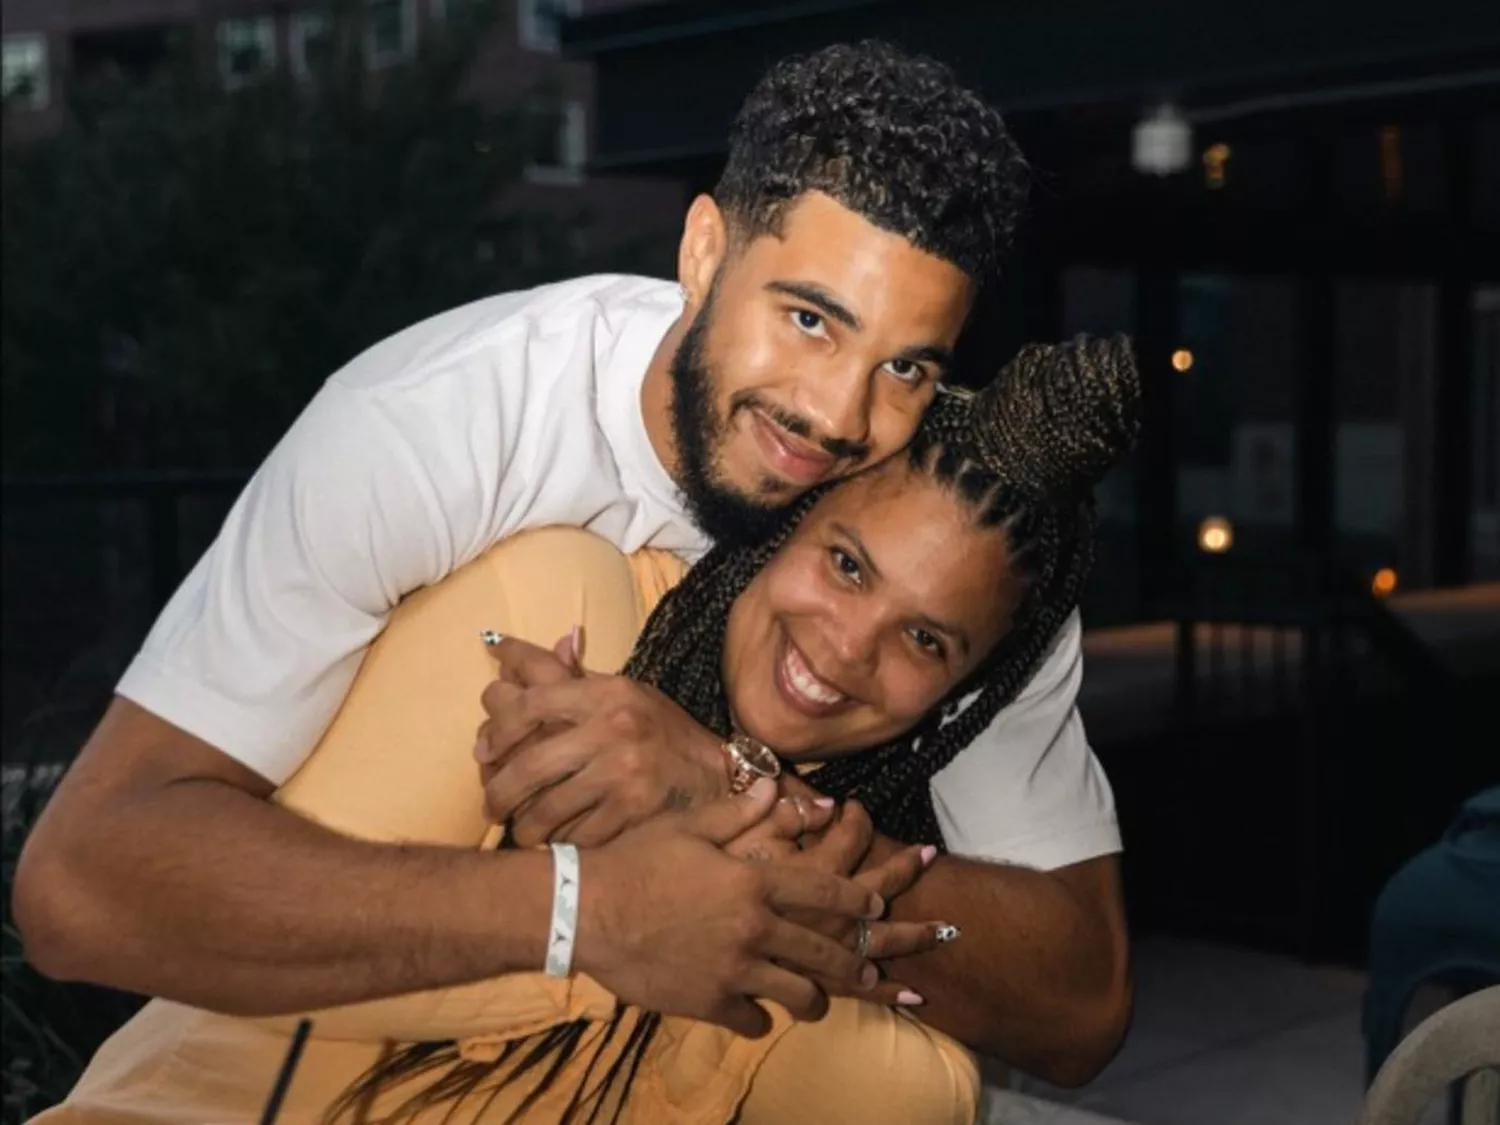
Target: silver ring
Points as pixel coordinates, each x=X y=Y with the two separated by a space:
x=862 y=938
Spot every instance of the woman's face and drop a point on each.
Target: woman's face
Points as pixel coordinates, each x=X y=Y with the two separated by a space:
x=881 y=602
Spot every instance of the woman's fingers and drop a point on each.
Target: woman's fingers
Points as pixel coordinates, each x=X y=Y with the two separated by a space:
x=890 y=940
x=802 y=999
x=899 y=874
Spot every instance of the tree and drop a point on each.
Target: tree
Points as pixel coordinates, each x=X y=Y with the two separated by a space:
x=184 y=264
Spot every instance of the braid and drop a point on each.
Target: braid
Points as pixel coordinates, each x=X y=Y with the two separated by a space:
x=1023 y=455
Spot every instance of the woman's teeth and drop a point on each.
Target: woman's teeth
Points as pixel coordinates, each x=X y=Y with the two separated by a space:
x=800 y=676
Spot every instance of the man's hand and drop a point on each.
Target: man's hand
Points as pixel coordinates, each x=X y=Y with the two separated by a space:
x=583 y=759
x=669 y=921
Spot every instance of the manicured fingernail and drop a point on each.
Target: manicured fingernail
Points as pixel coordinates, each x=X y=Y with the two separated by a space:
x=825 y=802
x=946 y=933
x=909 y=999
x=490 y=637
x=869 y=976
x=929 y=853
x=575 y=636
x=760 y=787
x=877 y=907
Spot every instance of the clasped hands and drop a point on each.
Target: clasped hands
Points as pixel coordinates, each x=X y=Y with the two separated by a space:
x=567 y=755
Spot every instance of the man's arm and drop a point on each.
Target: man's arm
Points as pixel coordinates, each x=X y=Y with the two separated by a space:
x=160 y=867
x=252 y=911
x=1040 y=977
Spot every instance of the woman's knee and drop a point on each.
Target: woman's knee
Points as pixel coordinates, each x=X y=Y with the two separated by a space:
x=865 y=1065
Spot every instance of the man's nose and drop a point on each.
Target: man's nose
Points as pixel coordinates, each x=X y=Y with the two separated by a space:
x=837 y=404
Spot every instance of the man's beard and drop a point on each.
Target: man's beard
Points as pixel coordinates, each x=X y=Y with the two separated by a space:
x=724 y=513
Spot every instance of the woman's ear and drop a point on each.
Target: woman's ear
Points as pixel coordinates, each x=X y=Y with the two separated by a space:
x=704 y=246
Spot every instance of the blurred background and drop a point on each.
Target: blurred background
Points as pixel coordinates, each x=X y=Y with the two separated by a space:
x=1294 y=628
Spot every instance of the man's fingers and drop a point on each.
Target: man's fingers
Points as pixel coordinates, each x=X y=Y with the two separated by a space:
x=802 y=999
x=844 y=844
x=889 y=940
x=721 y=821
x=529 y=665
x=535 y=768
x=542 y=818
x=792 y=887
x=812 y=953
x=759 y=846
x=596 y=827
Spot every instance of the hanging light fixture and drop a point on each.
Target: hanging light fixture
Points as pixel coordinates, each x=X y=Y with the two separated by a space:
x=1162 y=143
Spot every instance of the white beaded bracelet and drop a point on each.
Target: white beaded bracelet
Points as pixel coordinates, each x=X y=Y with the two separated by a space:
x=564 y=931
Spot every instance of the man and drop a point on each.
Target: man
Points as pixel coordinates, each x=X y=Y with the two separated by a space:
x=823 y=289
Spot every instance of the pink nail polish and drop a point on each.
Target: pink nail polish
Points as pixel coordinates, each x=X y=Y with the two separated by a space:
x=869 y=976
x=909 y=999
x=877 y=907
x=575 y=635
x=929 y=853
x=825 y=802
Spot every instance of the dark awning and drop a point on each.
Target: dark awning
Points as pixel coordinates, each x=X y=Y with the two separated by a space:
x=670 y=74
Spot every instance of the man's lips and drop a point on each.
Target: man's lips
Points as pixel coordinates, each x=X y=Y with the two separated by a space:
x=798 y=461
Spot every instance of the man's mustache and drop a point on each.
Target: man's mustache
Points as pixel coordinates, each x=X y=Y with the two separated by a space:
x=842 y=448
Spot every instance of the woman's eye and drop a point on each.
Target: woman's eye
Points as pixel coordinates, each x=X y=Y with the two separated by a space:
x=905 y=370
x=845 y=564
x=809 y=322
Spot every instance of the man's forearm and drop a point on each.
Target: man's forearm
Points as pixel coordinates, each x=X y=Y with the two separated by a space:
x=202 y=893
x=1040 y=978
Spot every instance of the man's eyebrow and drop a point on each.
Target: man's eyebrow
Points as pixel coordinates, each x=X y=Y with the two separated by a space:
x=862 y=553
x=818 y=297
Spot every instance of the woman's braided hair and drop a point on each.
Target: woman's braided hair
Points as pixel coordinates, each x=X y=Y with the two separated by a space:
x=1024 y=454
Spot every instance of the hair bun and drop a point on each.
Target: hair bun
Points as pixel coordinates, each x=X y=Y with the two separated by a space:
x=1058 y=417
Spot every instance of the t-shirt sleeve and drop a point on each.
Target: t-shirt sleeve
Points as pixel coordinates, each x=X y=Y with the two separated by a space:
x=1028 y=790
x=257 y=648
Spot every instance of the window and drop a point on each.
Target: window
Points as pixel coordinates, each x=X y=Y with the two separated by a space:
x=247 y=49
x=539 y=21
x=25 y=71
x=310 y=40
x=558 y=144
x=390 y=31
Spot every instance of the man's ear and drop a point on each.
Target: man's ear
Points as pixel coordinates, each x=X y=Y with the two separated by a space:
x=704 y=246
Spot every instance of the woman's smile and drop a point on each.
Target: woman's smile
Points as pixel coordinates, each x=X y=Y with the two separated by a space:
x=803 y=689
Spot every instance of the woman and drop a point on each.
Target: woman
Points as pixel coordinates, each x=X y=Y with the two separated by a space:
x=873 y=639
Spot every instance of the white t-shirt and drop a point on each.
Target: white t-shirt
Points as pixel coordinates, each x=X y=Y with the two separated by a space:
x=518 y=411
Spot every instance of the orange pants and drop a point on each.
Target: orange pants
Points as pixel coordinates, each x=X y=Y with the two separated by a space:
x=395 y=765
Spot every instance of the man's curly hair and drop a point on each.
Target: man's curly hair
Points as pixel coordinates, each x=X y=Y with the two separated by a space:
x=892 y=136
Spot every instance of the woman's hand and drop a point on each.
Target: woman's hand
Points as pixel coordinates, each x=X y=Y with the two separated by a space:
x=810 y=831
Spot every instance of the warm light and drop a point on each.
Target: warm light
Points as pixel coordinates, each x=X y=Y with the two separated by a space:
x=1215 y=159
x=1215 y=535
x=1182 y=359
x=1384 y=582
